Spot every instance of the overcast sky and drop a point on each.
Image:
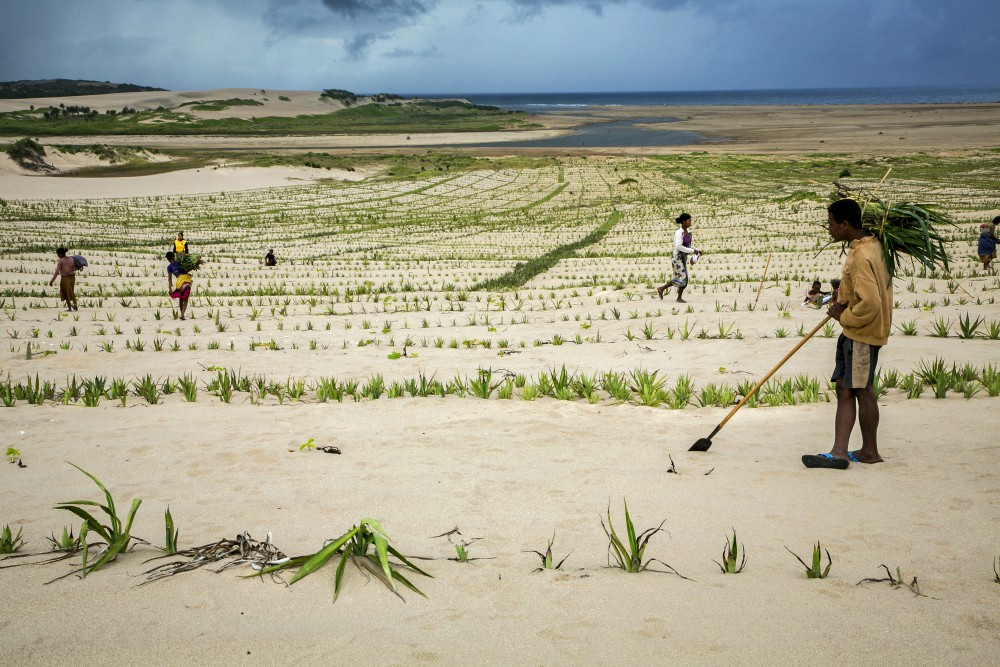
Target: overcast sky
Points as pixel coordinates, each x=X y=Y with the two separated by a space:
x=469 y=46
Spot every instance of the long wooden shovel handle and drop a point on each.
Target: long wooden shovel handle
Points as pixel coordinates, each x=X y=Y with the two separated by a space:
x=768 y=376
x=761 y=286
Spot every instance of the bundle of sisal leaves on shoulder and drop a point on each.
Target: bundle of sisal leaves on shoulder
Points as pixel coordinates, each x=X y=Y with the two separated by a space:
x=189 y=263
x=906 y=229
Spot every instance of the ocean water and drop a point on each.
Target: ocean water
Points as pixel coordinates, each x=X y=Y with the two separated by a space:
x=541 y=102
x=628 y=133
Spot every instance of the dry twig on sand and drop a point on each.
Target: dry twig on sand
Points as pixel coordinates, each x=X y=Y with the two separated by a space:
x=243 y=550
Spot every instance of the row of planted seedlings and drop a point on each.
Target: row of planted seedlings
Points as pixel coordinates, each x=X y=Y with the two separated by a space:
x=491 y=321
x=968 y=329
x=366 y=544
x=406 y=297
x=639 y=386
x=714 y=230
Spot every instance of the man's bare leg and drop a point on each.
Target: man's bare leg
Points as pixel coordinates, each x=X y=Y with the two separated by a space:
x=847 y=413
x=868 y=418
x=680 y=294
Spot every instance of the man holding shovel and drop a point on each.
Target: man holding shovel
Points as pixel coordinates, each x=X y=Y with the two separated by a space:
x=864 y=310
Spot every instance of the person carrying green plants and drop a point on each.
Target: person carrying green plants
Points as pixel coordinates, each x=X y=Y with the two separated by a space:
x=864 y=310
x=66 y=272
x=181 y=290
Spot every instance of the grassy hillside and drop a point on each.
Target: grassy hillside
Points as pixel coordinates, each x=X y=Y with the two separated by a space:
x=442 y=116
x=65 y=88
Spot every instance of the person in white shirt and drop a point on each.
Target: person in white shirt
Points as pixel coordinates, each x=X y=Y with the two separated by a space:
x=682 y=248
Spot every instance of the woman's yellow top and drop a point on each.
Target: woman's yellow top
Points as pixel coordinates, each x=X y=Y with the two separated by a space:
x=180 y=245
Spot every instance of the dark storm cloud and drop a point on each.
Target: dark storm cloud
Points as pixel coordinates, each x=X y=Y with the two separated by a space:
x=429 y=52
x=700 y=43
x=527 y=9
x=359 y=46
x=359 y=9
x=343 y=18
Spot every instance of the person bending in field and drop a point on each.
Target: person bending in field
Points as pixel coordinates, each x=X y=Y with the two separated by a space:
x=814 y=297
x=682 y=248
x=66 y=272
x=269 y=259
x=181 y=290
x=864 y=310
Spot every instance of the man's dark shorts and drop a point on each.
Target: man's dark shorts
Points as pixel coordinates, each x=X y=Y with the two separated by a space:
x=856 y=363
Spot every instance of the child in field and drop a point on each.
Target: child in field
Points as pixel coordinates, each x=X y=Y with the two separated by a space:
x=814 y=297
x=269 y=259
x=832 y=296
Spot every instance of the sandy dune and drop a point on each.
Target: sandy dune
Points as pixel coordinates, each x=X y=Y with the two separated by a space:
x=299 y=102
x=16 y=183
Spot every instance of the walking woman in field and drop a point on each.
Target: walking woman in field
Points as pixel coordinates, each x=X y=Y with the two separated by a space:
x=682 y=248
x=66 y=272
x=180 y=290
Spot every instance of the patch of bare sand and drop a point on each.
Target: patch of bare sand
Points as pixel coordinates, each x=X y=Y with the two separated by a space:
x=513 y=474
x=299 y=102
x=275 y=103
x=893 y=129
x=16 y=183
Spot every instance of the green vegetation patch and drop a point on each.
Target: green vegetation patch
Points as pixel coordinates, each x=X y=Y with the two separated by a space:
x=400 y=167
x=28 y=153
x=345 y=96
x=525 y=271
x=65 y=88
x=112 y=154
x=222 y=105
x=413 y=118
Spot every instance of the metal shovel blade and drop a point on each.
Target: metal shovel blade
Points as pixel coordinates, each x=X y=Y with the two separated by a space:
x=701 y=445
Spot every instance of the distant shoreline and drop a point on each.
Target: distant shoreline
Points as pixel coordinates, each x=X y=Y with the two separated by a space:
x=859 y=129
x=546 y=102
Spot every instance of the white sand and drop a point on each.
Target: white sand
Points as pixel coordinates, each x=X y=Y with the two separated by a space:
x=187 y=181
x=514 y=474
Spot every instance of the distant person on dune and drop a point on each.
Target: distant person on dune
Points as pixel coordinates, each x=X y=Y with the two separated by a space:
x=682 y=248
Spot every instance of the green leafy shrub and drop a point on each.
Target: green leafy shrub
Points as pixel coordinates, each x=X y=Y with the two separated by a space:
x=10 y=543
x=355 y=545
x=117 y=535
x=28 y=153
